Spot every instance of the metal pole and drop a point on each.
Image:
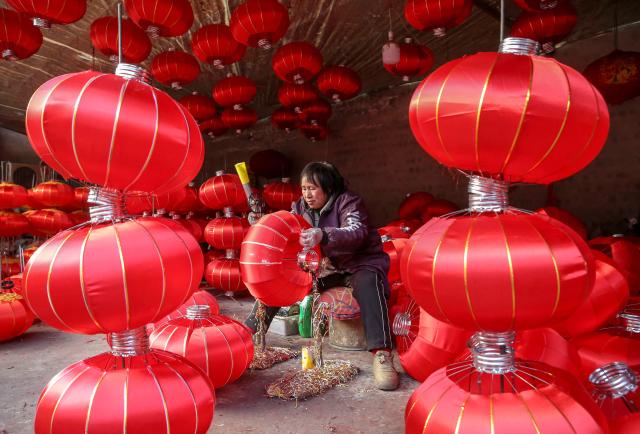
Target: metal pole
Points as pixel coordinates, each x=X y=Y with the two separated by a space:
x=119 y=32
x=501 y=21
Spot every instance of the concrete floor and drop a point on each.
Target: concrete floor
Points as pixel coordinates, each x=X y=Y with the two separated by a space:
x=29 y=362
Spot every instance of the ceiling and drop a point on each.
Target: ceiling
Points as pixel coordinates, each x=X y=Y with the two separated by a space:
x=349 y=32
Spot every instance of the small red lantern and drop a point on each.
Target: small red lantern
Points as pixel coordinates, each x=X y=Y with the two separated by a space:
x=538 y=5
x=214 y=44
x=625 y=255
x=190 y=202
x=222 y=190
x=12 y=195
x=284 y=118
x=13 y=224
x=316 y=112
x=77 y=217
x=15 y=317
x=314 y=132
x=213 y=127
x=297 y=62
x=565 y=217
x=161 y=17
x=53 y=194
x=80 y=198
x=259 y=23
x=296 y=95
x=437 y=208
x=19 y=39
x=48 y=221
x=339 y=83
x=269 y=163
x=201 y=107
x=616 y=75
x=413 y=203
x=193 y=227
x=239 y=120
x=234 y=91
x=224 y=274
x=547 y=27
x=414 y=60
x=135 y=43
x=51 y=12
x=437 y=15
x=281 y=195
x=175 y=68
x=226 y=232
x=200 y=297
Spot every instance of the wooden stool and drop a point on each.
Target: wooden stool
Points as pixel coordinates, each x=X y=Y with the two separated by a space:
x=346 y=331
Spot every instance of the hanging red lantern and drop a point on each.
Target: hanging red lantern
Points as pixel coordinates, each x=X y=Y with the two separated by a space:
x=497 y=271
x=13 y=224
x=222 y=190
x=200 y=297
x=339 y=83
x=538 y=5
x=552 y=122
x=316 y=112
x=51 y=12
x=234 y=91
x=220 y=346
x=284 y=118
x=175 y=68
x=281 y=195
x=314 y=132
x=15 y=317
x=415 y=60
x=259 y=23
x=224 y=274
x=394 y=248
x=104 y=38
x=214 y=44
x=437 y=15
x=213 y=127
x=82 y=139
x=12 y=195
x=48 y=222
x=161 y=17
x=268 y=259
x=19 y=39
x=53 y=194
x=437 y=208
x=201 y=107
x=153 y=391
x=547 y=26
x=239 y=120
x=616 y=75
x=113 y=277
x=80 y=198
x=212 y=254
x=193 y=228
x=565 y=217
x=413 y=204
x=269 y=163
x=189 y=203
x=625 y=255
x=297 y=62
x=296 y=95
x=226 y=232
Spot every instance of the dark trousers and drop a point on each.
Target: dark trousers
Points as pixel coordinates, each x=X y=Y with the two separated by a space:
x=371 y=290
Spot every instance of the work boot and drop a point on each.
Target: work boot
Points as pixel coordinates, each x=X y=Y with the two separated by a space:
x=384 y=373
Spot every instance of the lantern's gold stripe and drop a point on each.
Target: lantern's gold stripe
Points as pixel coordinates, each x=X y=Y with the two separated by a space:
x=524 y=403
x=461 y=414
x=93 y=395
x=491 y=421
x=64 y=391
x=162 y=397
x=53 y=260
x=73 y=122
x=162 y=267
x=178 y=171
x=203 y=331
x=479 y=112
x=125 y=402
x=193 y=398
x=466 y=272
x=433 y=269
x=191 y=275
x=438 y=100
x=125 y=286
x=512 y=279
x=82 y=280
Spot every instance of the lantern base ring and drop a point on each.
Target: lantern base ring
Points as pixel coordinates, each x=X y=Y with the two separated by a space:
x=520 y=46
x=401 y=324
x=176 y=86
x=493 y=352
x=265 y=44
x=487 y=194
x=106 y=205
x=130 y=343
x=198 y=311
x=614 y=380
x=439 y=32
x=133 y=72
x=41 y=23
x=153 y=32
x=8 y=54
x=631 y=321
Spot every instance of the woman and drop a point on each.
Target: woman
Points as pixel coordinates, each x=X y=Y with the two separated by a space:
x=341 y=228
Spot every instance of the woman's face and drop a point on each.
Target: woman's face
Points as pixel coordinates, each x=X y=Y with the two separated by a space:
x=313 y=194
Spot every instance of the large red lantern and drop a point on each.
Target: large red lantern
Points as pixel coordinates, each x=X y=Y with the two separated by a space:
x=616 y=75
x=259 y=23
x=135 y=43
x=224 y=274
x=113 y=277
x=239 y=120
x=189 y=202
x=437 y=15
x=522 y=118
x=51 y=12
x=83 y=124
x=547 y=27
x=625 y=255
x=214 y=44
x=53 y=194
x=193 y=227
x=284 y=118
x=234 y=91
x=48 y=222
x=268 y=259
x=269 y=163
x=175 y=68
x=281 y=195
x=154 y=391
x=213 y=127
x=222 y=190
x=297 y=62
x=339 y=83
x=161 y=17
x=201 y=107
x=413 y=203
x=19 y=39
x=15 y=317
x=12 y=195
x=13 y=224
x=221 y=347
x=497 y=271
x=565 y=217
x=226 y=232
x=316 y=112
x=314 y=132
x=296 y=95
x=414 y=60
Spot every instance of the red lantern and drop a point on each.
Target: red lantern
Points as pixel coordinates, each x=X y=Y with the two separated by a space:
x=213 y=44
x=175 y=68
x=15 y=317
x=155 y=392
x=269 y=163
x=224 y=274
x=189 y=202
x=221 y=347
x=547 y=26
x=213 y=127
x=616 y=75
x=53 y=194
x=12 y=195
x=297 y=62
x=316 y=112
x=48 y=222
x=296 y=95
x=80 y=198
x=414 y=60
x=284 y=118
x=437 y=15
x=226 y=232
x=625 y=255
x=200 y=297
x=212 y=254
x=234 y=91
x=413 y=204
x=161 y=17
x=394 y=232
x=547 y=346
x=281 y=195
x=520 y=118
x=339 y=83
x=222 y=190
x=135 y=43
x=259 y=23
x=314 y=132
x=437 y=208
x=10 y=266
x=565 y=217
x=51 y=12
x=497 y=271
x=268 y=259
x=239 y=120
x=77 y=217
x=200 y=106
x=193 y=227
x=19 y=39
x=113 y=277
x=13 y=224
x=394 y=248
x=538 y=5
x=83 y=124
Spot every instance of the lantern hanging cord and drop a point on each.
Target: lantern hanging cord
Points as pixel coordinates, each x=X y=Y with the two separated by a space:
x=119 y=32
x=501 y=22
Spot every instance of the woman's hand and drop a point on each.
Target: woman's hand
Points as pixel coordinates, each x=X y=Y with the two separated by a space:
x=309 y=238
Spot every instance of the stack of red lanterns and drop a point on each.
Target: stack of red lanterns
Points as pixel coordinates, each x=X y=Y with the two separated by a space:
x=545 y=21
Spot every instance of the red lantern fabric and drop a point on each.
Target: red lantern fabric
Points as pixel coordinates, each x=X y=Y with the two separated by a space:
x=53 y=194
x=189 y=202
x=213 y=127
x=547 y=346
x=284 y=118
x=268 y=259
x=56 y=12
x=538 y=121
x=394 y=248
x=48 y=222
x=616 y=75
x=234 y=91
x=77 y=217
x=565 y=217
x=296 y=95
x=269 y=163
x=136 y=45
x=259 y=23
x=413 y=204
x=113 y=277
x=214 y=44
x=10 y=265
x=12 y=195
x=224 y=274
x=161 y=17
x=316 y=112
x=226 y=232
x=83 y=124
x=394 y=232
x=222 y=191
x=497 y=272
x=437 y=15
x=157 y=392
x=13 y=224
x=538 y=5
x=80 y=198
x=239 y=120
x=409 y=225
x=19 y=39
x=15 y=317
x=212 y=254
x=221 y=347
x=414 y=60
x=314 y=132
x=437 y=208
x=280 y=195
x=297 y=62
x=339 y=83
x=200 y=106
x=200 y=297
x=625 y=255
x=547 y=27
x=175 y=68
x=192 y=227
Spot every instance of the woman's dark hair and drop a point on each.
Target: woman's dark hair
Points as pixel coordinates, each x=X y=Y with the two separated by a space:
x=324 y=175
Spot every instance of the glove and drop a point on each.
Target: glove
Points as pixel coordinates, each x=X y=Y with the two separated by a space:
x=309 y=238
